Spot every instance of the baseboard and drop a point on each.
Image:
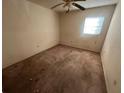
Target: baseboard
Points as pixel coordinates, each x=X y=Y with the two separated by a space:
x=78 y=47
x=106 y=76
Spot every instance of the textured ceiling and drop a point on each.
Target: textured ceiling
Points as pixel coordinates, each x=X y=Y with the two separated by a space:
x=86 y=4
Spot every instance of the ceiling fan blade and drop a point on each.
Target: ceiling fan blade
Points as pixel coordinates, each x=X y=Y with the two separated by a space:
x=78 y=6
x=56 y=5
x=79 y=0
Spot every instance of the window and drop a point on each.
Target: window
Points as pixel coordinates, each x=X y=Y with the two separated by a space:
x=93 y=25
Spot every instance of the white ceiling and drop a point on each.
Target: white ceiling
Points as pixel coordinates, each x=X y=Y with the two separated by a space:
x=86 y=4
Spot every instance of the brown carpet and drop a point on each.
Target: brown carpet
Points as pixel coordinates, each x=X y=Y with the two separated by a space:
x=61 y=69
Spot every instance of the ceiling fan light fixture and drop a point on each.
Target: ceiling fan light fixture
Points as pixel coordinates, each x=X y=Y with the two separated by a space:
x=68 y=3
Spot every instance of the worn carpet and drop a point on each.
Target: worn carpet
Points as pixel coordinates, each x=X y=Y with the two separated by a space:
x=61 y=69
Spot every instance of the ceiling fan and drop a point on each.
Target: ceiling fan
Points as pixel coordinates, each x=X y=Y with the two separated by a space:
x=68 y=3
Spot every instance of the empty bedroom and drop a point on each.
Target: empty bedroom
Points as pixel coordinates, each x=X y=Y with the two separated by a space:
x=61 y=46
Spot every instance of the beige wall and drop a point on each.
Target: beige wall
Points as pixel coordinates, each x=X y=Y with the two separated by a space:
x=71 y=26
x=111 y=54
x=27 y=30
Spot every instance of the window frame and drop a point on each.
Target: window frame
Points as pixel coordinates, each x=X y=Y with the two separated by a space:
x=98 y=29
